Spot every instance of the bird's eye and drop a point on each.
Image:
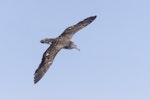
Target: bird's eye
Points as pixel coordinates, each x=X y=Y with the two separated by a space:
x=55 y=43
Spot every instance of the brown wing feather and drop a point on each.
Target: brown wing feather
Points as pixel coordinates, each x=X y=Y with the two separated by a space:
x=46 y=62
x=70 y=31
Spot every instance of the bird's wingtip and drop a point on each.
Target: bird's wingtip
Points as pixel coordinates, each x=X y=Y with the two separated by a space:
x=94 y=16
x=35 y=81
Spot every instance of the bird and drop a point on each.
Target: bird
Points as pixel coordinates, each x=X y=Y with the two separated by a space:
x=63 y=41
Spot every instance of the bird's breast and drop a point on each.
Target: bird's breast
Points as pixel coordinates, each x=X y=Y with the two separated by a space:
x=63 y=42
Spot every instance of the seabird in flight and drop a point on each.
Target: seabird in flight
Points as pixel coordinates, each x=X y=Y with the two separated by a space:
x=56 y=44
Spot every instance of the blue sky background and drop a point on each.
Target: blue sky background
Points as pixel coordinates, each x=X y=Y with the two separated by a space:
x=114 y=61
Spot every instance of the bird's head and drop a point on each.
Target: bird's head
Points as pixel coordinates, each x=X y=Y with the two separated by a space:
x=47 y=41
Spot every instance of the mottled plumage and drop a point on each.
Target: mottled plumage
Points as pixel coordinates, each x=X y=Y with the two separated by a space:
x=63 y=41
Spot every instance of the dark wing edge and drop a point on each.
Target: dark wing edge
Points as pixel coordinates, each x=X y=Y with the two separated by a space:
x=70 y=31
x=46 y=62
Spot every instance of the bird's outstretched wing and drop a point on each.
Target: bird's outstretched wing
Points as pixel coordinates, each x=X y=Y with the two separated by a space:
x=46 y=62
x=70 y=31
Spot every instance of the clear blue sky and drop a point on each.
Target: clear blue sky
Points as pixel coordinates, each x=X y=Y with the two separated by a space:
x=114 y=61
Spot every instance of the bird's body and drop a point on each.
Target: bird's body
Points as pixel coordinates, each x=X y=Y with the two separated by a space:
x=56 y=44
